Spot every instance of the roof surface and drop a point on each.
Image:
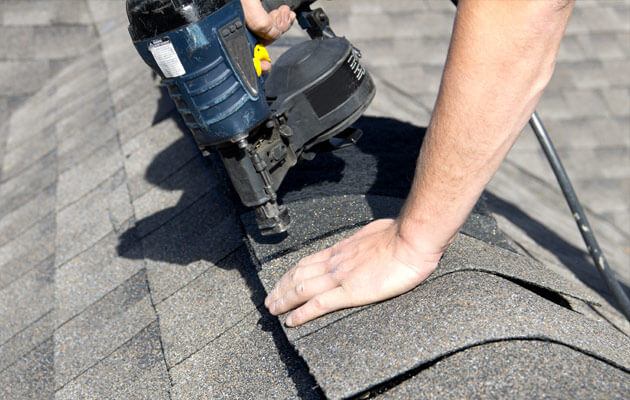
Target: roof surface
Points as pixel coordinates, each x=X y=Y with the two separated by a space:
x=126 y=271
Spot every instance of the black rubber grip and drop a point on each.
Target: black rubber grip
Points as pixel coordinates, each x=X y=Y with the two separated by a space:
x=293 y=4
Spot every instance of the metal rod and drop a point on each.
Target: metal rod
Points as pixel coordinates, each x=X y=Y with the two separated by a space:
x=579 y=216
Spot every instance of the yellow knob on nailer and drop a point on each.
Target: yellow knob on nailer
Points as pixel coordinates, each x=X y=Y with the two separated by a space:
x=260 y=54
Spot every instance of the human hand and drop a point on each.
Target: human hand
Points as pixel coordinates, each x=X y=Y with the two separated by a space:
x=267 y=26
x=374 y=264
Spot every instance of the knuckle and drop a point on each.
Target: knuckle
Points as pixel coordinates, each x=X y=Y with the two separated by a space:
x=292 y=273
x=328 y=252
x=296 y=275
x=317 y=303
x=337 y=271
x=300 y=289
x=297 y=316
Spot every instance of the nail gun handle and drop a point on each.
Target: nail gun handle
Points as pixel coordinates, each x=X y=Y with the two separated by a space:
x=293 y=4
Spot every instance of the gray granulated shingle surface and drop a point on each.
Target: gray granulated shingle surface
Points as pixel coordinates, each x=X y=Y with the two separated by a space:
x=515 y=370
x=27 y=250
x=208 y=306
x=92 y=274
x=96 y=131
x=18 y=309
x=117 y=254
x=32 y=376
x=91 y=218
x=468 y=253
x=251 y=360
x=15 y=223
x=22 y=157
x=465 y=254
x=172 y=195
x=186 y=246
x=102 y=328
x=23 y=342
x=80 y=179
x=439 y=317
x=135 y=370
x=316 y=217
x=155 y=154
x=311 y=218
x=19 y=189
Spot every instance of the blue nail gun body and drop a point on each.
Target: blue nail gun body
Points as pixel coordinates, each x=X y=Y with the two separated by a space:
x=208 y=70
x=260 y=124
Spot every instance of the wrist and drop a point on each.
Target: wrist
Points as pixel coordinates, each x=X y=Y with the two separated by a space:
x=417 y=250
x=426 y=237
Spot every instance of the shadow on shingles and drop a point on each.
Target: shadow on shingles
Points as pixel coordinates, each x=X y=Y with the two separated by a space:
x=165 y=105
x=575 y=259
x=382 y=163
x=183 y=235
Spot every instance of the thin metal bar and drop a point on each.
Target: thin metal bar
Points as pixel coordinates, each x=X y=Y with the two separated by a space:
x=579 y=216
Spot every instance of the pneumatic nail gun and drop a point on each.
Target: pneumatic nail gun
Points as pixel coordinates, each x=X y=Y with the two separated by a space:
x=261 y=124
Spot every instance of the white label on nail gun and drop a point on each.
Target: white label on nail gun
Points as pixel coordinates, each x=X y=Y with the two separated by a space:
x=166 y=58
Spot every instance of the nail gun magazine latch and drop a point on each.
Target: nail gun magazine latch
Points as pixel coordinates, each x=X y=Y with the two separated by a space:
x=260 y=124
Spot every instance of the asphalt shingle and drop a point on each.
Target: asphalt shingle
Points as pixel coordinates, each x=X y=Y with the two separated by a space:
x=88 y=277
x=89 y=174
x=165 y=140
x=32 y=376
x=173 y=194
x=135 y=370
x=23 y=342
x=88 y=220
x=24 y=156
x=186 y=246
x=23 y=77
x=145 y=113
x=250 y=360
x=102 y=328
x=17 y=309
x=19 y=189
x=77 y=143
x=208 y=306
x=516 y=369
x=13 y=224
x=44 y=12
x=438 y=318
x=27 y=250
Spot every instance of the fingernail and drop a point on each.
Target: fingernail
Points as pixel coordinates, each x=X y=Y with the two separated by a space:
x=272 y=307
x=289 y=320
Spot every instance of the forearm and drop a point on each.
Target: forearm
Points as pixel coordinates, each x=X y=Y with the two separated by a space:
x=500 y=59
